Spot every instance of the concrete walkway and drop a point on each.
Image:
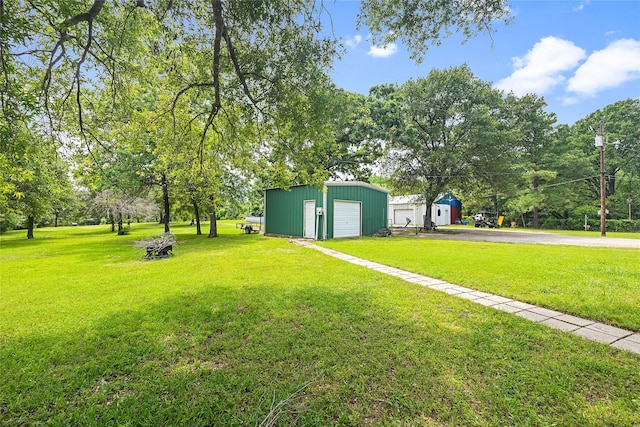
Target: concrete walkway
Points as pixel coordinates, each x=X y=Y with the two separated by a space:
x=600 y=332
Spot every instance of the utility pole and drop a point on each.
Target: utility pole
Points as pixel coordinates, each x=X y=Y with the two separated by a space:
x=600 y=142
x=603 y=194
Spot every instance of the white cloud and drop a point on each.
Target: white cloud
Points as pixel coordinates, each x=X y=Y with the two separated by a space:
x=570 y=101
x=541 y=68
x=607 y=68
x=581 y=6
x=354 y=41
x=383 y=51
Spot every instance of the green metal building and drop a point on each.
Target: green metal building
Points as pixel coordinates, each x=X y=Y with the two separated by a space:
x=340 y=209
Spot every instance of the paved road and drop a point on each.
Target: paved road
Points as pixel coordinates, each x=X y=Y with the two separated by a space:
x=514 y=236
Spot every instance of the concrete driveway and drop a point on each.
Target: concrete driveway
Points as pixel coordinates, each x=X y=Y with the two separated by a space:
x=517 y=236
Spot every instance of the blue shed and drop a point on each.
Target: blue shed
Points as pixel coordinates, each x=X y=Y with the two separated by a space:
x=455 y=211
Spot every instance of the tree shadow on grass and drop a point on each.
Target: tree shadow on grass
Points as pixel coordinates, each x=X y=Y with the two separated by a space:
x=313 y=355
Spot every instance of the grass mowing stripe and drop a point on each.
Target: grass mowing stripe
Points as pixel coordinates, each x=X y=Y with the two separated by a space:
x=231 y=328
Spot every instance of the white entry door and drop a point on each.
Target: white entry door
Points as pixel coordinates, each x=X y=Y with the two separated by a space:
x=346 y=219
x=309 y=231
x=440 y=214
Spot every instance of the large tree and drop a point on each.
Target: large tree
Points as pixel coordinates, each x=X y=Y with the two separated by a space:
x=116 y=161
x=532 y=129
x=446 y=129
x=339 y=141
x=622 y=159
x=36 y=180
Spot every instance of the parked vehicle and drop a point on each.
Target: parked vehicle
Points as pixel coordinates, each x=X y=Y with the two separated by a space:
x=479 y=220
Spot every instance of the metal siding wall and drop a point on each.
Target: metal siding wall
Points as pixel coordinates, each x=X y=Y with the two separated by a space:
x=374 y=211
x=284 y=210
x=374 y=207
x=368 y=203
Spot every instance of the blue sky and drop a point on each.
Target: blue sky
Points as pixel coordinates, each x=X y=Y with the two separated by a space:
x=579 y=55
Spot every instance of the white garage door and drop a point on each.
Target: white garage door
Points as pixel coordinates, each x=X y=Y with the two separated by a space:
x=400 y=216
x=346 y=219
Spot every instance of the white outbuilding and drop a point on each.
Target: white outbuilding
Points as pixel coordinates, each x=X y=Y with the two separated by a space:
x=412 y=209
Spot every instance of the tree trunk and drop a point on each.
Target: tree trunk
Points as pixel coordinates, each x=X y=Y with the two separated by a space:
x=113 y=222
x=30 y=223
x=55 y=221
x=536 y=224
x=120 y=229
x=496 y=208
x=165 y=202
x=428 y=220
x=213 y=224
x=196 y=212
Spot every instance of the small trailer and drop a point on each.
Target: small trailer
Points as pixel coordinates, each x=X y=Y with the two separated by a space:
x=251 y=224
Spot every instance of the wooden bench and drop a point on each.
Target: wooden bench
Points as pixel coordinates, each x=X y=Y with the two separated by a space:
x=163 y=252
x=157 y=247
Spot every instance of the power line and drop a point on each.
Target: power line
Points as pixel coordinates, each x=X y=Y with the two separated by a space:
x=582 y=179
x=569 y=182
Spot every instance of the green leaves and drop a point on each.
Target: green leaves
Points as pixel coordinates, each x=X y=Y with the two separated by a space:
x=33 y=178
x=442 y=131
x=422 y=24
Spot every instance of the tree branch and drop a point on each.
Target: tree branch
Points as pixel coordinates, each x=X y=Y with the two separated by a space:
x=217 y=42
x=46 y=81
x=236 y=65
x=83 y=17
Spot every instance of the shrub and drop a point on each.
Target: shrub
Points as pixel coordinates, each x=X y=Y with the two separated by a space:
x=89 y=221
x=623 y=225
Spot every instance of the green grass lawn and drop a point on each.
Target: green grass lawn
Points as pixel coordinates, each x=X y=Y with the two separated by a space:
x=247 y=330
x=602 y=284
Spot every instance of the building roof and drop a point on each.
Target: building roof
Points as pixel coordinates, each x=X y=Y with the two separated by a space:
x=403 y=200
x=448 y=199
x=340 y=184
x=355 y=184
x=419 y=199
